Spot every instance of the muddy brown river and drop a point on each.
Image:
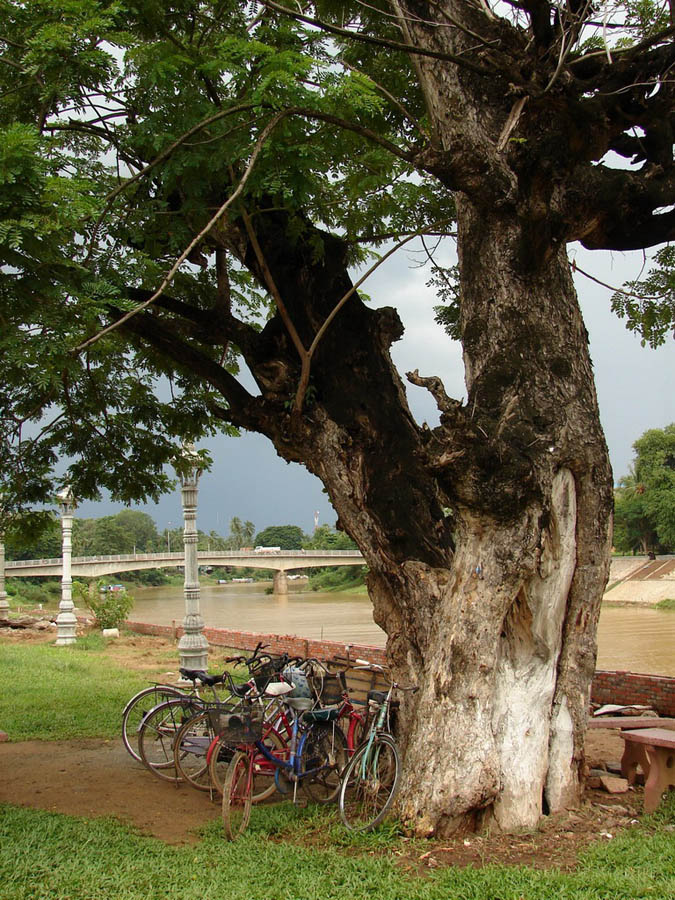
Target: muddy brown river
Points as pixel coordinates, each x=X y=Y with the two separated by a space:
x=634 y=639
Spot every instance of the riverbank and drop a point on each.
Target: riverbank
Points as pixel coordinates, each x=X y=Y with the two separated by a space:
x=640 y=581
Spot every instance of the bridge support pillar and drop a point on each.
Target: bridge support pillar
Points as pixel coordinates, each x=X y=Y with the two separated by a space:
x=193 y=646
x=65 y=621
x=280 y=582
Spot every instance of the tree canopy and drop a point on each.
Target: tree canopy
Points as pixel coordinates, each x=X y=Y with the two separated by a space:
x=125 y=126
x=288 y=537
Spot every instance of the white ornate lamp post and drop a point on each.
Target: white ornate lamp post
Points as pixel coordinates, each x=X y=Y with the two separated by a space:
x=193 y=646
x=4 y=602
x=66 y=621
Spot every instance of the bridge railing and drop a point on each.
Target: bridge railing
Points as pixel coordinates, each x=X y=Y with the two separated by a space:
x=178 y=555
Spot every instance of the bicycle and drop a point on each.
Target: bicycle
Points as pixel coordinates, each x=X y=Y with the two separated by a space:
x=278 y=728
x=159 y=728
x=138 y=706
x=332 y=692
x=200 y=753
x=314 y=758
x=370 y=780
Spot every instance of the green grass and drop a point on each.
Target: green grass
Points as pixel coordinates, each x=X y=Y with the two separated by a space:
x=57 y=693
x=666 y=603
x=54 y=857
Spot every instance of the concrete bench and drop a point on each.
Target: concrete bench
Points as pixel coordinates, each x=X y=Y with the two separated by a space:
x=624 y=722
x=653 y=750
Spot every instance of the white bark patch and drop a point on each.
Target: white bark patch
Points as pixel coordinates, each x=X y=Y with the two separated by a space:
x=526 y=670
x=561 y=782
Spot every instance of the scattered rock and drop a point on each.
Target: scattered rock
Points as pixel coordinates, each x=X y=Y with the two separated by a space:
x=614 y=785
x=22 y=622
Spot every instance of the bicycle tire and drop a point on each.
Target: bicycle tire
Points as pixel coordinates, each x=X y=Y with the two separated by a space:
x=190 y=751
x=263 y=770
x=138 y=707
x=237 y=796
x=369 y=784
x=158 y=733
x=325 y=749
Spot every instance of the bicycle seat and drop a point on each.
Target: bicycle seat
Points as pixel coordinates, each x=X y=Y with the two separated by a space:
x=278 y=688
x=200 y=675
x=240 y=690
x=326 y=714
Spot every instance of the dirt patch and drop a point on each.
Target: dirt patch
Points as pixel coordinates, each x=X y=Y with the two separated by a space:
x=99 y=778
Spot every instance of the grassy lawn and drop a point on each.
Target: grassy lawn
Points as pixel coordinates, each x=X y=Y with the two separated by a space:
x=57 y=693
x=55 y=857
x=288 y=853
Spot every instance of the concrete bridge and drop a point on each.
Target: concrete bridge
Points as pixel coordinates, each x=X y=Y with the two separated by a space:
x=97 y=566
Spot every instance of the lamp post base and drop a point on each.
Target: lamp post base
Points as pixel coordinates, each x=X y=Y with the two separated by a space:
x=66 y=624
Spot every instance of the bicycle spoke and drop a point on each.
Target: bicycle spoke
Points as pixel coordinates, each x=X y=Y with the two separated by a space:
x=237 y=795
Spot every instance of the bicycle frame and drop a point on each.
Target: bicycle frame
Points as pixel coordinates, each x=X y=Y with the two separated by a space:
x=296 y=748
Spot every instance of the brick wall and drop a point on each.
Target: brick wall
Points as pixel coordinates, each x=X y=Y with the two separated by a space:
x=655 y=691
x=276 y=643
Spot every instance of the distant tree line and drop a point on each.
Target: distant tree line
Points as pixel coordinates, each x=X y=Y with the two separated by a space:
x=133 y=531
x=644 y=501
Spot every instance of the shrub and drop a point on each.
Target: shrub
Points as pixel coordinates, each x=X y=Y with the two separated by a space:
x=110 y=608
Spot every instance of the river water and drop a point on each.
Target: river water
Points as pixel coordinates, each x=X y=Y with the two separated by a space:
x=630 y=638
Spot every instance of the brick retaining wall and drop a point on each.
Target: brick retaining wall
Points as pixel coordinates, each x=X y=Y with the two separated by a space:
x=276 y=643
x=655 y=691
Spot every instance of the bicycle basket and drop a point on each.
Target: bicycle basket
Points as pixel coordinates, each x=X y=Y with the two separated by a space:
x=300 y=682
x=332 y=689
x=264 y=673
x=241 y=727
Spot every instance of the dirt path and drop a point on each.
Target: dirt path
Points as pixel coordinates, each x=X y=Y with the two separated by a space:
x=99 y=778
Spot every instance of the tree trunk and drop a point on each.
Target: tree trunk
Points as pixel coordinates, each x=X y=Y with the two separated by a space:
x=498 y=727
x=491 y=608
x=487 y=537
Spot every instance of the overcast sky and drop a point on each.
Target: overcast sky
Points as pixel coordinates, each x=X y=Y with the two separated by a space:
x=634 y=384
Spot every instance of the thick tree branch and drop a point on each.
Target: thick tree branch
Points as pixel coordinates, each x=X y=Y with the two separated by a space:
x=162 y=338
x=379 y=42
x=611 y=209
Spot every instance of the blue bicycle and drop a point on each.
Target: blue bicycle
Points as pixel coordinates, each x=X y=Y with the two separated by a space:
x=313 y=757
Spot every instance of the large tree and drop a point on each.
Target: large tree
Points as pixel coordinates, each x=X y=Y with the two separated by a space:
x=266 y=147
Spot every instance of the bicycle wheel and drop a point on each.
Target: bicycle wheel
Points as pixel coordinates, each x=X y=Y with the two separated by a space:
x=263 y=770
x=369 y=784
x=190 y=751
x=325 y=749
x=237 y=796
x=138 y=707
x=158 y=734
